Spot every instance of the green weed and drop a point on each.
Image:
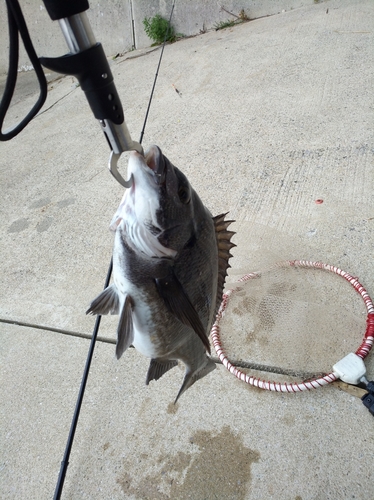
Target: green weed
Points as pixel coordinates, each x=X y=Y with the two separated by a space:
x=224 y=24
x=158 y=29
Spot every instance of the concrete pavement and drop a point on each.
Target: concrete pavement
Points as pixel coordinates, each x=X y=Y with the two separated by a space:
x=274 y=114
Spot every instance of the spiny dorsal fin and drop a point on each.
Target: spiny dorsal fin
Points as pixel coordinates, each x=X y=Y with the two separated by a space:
x=224 y=246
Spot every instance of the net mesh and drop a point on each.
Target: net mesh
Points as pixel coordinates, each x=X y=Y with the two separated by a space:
x=295 y=322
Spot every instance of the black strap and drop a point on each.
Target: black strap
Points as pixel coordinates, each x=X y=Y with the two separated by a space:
x=16 y=23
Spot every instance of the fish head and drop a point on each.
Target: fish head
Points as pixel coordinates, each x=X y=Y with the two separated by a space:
x=161 y=202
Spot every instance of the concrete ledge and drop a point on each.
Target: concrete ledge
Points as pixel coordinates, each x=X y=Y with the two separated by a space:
x=118 y=24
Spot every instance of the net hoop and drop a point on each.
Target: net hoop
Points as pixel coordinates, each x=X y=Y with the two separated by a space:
x=362 y=351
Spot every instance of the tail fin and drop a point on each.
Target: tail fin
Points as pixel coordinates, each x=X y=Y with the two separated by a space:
x=191 y=377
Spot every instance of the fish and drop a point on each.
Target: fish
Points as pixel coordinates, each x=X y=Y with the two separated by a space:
x=170 y=262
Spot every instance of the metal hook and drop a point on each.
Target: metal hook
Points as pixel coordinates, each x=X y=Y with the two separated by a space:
x=112 y=165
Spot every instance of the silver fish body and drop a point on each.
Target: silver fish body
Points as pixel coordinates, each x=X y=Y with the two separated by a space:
x=170 y=260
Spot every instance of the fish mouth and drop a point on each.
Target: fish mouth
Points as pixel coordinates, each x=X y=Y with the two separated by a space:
x=153 y=162
x=156 y=162
x=149 y=176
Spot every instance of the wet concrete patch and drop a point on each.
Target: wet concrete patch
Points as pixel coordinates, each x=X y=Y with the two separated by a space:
x=172 y=408
x=215 y=466
x=44 y=224
x=66 y=202
x=18 y=226
x=40 y=203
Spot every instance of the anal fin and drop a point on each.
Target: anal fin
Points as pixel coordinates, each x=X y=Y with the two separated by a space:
x=125 y=330
x=178 y=303
x=106 y=302
x=158 y=367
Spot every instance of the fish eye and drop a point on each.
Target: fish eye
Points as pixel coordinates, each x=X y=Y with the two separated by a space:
x=184 y=194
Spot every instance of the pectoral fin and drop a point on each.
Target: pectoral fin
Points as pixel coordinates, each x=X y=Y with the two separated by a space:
x=125 y=330
x=158 y=367
x=106 y=302
x=178 y=303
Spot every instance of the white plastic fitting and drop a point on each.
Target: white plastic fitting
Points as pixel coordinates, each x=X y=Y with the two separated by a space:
x=351 y=369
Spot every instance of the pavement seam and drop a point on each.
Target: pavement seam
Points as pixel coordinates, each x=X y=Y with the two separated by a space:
x=238 y=363
x=58 y=100
x=270 y=369
x=56 y=330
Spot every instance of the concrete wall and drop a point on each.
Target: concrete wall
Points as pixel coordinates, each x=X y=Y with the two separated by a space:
x=118 y=24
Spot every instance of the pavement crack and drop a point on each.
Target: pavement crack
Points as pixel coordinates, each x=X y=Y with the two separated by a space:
x=138 y=55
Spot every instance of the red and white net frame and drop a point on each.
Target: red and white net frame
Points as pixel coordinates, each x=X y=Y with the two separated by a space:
x=362 y=351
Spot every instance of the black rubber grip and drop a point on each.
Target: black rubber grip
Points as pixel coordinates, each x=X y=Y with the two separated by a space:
x=58 y=9
x=91 y=68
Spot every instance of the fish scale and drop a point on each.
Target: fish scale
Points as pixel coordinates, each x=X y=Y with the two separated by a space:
x=170 y=262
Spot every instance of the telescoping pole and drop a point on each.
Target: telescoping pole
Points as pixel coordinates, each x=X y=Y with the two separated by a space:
x=88 y=63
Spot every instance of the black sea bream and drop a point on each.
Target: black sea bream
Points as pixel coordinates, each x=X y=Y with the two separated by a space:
x=170 y=261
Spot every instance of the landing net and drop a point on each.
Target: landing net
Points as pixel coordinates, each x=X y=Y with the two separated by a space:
x=297 y=314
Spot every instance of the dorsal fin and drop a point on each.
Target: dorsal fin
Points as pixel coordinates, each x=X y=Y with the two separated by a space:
x=224 y=246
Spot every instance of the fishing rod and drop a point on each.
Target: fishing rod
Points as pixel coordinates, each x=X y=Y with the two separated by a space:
x=112 y=161
x=87 y=62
